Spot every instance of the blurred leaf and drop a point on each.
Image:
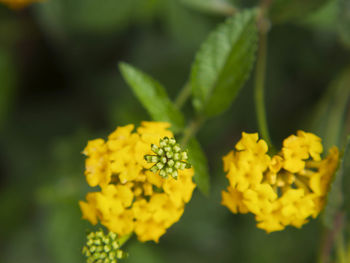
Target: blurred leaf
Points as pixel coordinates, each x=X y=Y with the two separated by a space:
x=289 y=10
x=223 y=63
x=181 y=22
x=23 y=246
x=64 y=232
x=344 y=21
x=335 y=195
x=90 y=16
x=323 y=19
x=153 y=96
x=12 y=201
x=211 y=6
x=200 y=164
x=94 y=16
x=329 y=120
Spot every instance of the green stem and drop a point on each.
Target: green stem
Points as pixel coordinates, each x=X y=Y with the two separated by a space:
x=259 y=86
x=184 y=94
x=341 y=254
x=191 y=130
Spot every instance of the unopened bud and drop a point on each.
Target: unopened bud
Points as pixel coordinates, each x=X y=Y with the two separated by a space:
x=168 y=159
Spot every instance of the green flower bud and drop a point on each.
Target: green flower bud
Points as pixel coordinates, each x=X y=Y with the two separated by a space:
x=102 y=248
x=163 y=173
x=160 y=165
x=112 y=255
x=177 y=148
x=168 y=158
x=175 y=174
x=171 y=163
x=115 y=245
x=107 y=248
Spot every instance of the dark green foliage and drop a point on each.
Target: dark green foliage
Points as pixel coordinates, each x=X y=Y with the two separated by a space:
x=223 y=64
x=153 y=97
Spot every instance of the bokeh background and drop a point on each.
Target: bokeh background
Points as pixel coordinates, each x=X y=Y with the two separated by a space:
x=60 y=87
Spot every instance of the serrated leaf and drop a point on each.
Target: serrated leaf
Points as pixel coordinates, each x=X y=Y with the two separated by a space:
x=200 y=164
x=223 y=63
x=289 y=10
x=153 y=96
x=344 y=21
x=335 y=198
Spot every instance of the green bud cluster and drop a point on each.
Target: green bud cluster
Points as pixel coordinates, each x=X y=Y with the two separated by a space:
x=168 y=158
x=101 y=248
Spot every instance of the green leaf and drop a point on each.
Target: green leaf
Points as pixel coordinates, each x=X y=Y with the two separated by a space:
x=223 y=63
x=335 y=198
x=289 y=10
x=200 y=164
x=153 y=97
x=344 y=21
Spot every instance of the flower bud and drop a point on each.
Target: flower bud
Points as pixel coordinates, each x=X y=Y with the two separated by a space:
x=168 y=159
x=101 y=248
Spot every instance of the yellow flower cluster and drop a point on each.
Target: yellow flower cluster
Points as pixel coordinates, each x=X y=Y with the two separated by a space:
x=285 y=189
x=132 y=198
x=17 y=4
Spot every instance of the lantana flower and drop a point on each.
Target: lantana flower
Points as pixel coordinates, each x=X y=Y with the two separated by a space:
x=133 y=198
x=285 y=189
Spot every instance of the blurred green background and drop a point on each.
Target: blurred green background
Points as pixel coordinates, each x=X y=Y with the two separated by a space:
x=60 y=87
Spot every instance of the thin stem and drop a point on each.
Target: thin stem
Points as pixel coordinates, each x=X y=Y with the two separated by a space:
x=191 y=130
x=259 y=83
x=184 y=94
x=341 y=254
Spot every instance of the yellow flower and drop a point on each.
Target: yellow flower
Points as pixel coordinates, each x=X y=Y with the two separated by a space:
x=17 y=4
x=286 y=189
x=233 y=199
x=98 y=170
x=132 y=198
